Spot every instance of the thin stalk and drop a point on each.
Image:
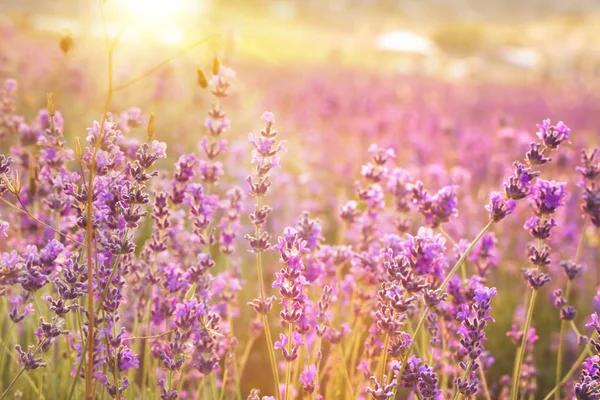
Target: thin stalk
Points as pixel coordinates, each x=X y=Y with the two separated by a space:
x=25 y=211
x=5 y=348
x=41 y=386
x=563 y=323
x=266 y=327
x=213 y=385
x=163 y=63
x=200 y=389
x=559 y=360
x=116 y=372
x=383 y=358
x=570 y=373
x=12 y=383
x=224 y=381
x=444 y=385
x=288 y=365
x=463 y=268
x=317 y=361
x=346 y=374
x=245 y=356
x=486 y=390
x=521 y=352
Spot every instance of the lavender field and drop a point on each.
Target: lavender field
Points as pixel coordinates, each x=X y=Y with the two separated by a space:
x=267 y=207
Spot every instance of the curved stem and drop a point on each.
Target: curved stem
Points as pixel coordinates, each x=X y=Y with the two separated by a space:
x=26 y=212
x=163 y=63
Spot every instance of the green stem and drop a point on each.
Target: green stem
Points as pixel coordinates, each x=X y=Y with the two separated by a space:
x=266 y=326
x=213 y=386
x=245 y=356
x=566 y=378
x=463 y=267
x=5 y=348
x=345 y=369
x=486 y=390
x=12 y=383
x=383 y=358
x=288 y=365
x=559 y=353
x=521 y=351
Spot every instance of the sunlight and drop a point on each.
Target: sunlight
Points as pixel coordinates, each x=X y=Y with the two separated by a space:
x=153 y=11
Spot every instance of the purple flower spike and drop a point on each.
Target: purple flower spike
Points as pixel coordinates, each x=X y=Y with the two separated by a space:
x=499 y=207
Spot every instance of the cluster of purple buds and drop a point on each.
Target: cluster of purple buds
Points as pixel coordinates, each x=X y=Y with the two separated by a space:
x=588 y=386
x=473 y=322
x=202 y=208
x=217 y=124
x=230 y=222
x=424 y=254
x=546 y=197
x=9 y=121
x=308 y=378
x=399 y=186
x=371 y=195
x=265 y=157
x=519 y=185
x=436 y=209
x=185 y=170
x=590 y=171
x=291 y=282
x=485 y=256
x=571 y=271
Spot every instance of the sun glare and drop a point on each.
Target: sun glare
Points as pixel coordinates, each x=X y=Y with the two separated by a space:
x=154 y=11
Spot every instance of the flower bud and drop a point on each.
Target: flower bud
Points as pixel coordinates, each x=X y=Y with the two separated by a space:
x=151 y=126
x=216 y=66
x=50 y=106
x=66 y=44
x=78 y=148
x=202 y=79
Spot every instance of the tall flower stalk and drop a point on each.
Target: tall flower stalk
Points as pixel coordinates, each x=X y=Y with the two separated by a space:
x=264 y=156
x=546 y=197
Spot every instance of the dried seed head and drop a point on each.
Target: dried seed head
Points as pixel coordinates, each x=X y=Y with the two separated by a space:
x=50 y=101
x=151 y=126
x=78 y=149
x=13 y=183
x=33 y=180
x=202 y=79
x=66 y=43
x=216 y=66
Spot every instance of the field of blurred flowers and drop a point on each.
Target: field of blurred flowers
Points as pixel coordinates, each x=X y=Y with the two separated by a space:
x=377 y=235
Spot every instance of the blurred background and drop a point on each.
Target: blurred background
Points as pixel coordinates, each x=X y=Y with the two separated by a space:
x=532 y=39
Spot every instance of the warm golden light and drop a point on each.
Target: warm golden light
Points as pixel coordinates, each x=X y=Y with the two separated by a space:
x=153 y=11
